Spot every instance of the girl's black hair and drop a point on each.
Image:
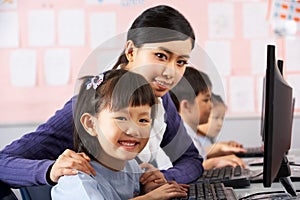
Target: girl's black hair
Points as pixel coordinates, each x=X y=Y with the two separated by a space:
x=119 y=89
x=158 y=24
x=191 y=84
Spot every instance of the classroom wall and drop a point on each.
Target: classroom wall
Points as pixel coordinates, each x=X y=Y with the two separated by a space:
x=40 y=62
x=247 y=131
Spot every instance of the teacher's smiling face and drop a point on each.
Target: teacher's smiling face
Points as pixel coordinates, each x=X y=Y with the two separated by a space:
x=162 y=64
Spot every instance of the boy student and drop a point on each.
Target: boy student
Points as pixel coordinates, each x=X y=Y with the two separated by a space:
x=192 y=97
x=113 y=117
x=158 y=46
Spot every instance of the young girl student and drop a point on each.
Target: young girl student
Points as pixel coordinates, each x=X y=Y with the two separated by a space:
x=113 y=117
x=159 y=44
x=192 y=97
x=209 y=131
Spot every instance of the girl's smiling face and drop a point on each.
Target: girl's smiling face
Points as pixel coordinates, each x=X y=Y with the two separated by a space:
x=162 y=64
x=123 y=134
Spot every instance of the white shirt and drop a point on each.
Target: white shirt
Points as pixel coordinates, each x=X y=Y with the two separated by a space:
x=205 y=141
x=197 y=140
x=153 y=151
x=106 y=185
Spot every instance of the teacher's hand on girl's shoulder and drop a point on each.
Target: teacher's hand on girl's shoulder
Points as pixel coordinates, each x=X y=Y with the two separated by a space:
x=69 y=163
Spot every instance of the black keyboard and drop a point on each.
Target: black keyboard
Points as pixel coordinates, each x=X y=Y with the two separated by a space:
x=211 y=191
x=236 y=177
x=251 y=152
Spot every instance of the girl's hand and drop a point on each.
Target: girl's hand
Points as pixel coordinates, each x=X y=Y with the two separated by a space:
x=167 y=191
x=151 y=174
x=68 y=163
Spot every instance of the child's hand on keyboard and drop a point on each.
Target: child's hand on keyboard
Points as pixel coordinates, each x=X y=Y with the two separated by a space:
x=166 y=191
x=221 y=149
x=234 y=144
x=223 y=161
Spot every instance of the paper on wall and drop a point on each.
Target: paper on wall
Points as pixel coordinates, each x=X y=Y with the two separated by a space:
x=41 y=28
x=258 y=50
x=103 y=1
x=71 y=27
x=102 y=27
x=220 y=54
x=23 y=68
x=9 y=30
x=255 y=23
x=292 y=62
x=57 y=66
x=241 y=94
x=8 y=4
x=221 y=20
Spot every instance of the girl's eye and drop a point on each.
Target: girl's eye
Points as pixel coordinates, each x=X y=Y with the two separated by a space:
x=144 y=120
x=161 y=56
x=121 y=118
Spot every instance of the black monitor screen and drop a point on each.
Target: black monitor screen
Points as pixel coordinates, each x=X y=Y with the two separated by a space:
x=277 y=116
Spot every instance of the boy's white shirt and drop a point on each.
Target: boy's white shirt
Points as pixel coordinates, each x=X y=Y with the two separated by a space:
x=153 y=151
x=197 y=140
x=205 y=141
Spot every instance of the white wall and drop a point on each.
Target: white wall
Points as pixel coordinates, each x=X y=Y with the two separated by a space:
x=247 y=131
x=9 y=133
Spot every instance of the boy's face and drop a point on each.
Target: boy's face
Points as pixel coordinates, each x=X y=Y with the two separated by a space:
x=202 y=107
x=216 y=119
x=124 y=133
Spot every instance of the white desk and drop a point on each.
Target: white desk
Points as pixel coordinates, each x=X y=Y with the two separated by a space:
x=294 y=155
x=258 y=188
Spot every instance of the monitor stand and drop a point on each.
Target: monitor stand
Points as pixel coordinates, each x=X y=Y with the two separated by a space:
x=284 y=177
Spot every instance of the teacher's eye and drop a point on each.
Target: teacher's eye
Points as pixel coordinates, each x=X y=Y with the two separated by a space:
x=161 y=56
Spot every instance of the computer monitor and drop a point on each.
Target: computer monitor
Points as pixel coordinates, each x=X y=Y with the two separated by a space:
x=280 y=66
x=277 y=125
x=262 y=123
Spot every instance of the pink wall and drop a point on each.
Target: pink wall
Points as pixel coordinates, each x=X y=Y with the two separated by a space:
x=38 y=103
